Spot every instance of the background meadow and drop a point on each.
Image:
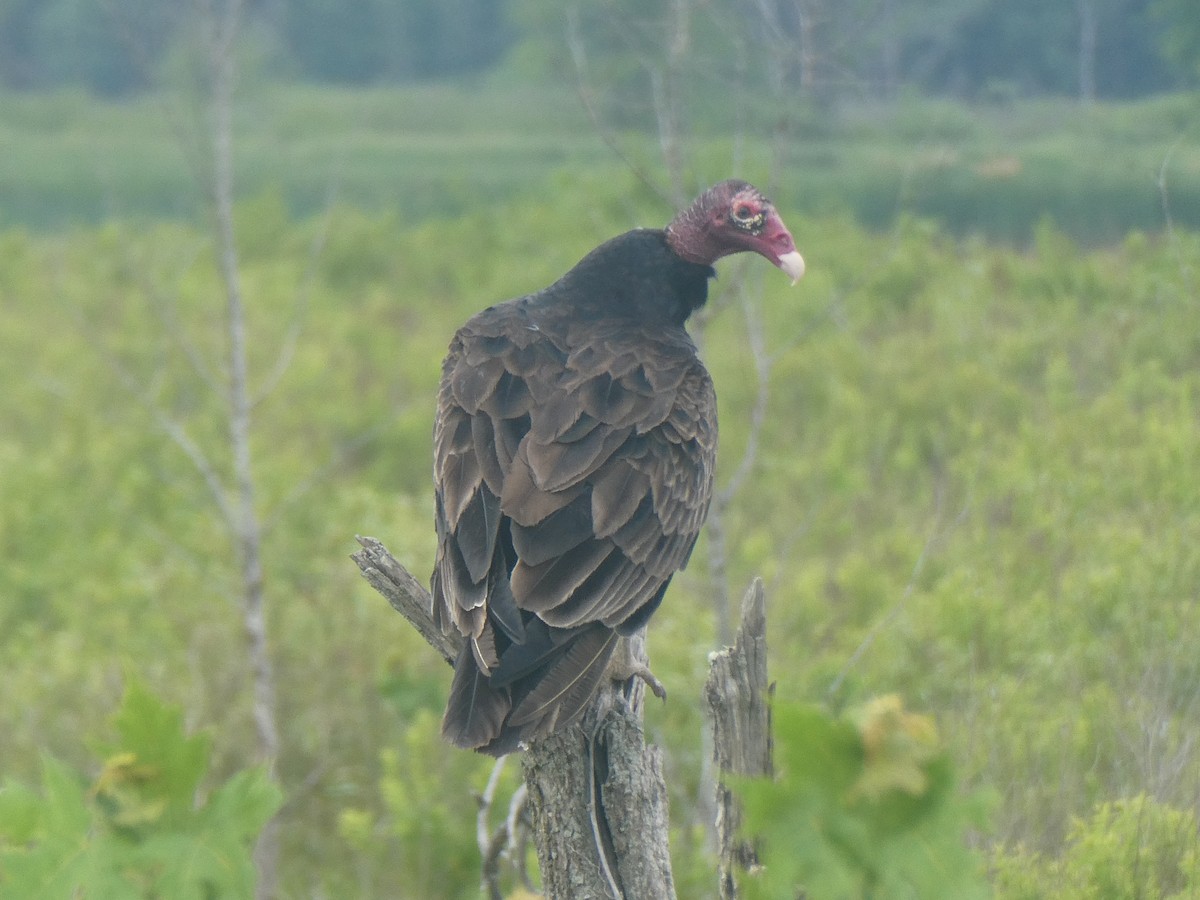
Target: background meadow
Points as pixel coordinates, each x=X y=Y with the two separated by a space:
x=973 y=485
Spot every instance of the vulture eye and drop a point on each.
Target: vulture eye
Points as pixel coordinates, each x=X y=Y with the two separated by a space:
x=748 y=217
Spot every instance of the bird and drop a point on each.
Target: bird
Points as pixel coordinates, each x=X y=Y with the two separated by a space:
x=575 y=443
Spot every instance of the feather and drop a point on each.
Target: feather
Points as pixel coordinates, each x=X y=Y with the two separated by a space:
x=667 y=375
x=607 y=399
x=483 y=648
x=583 y=426
x=502 y=606
x=463 y=592
x=668 y=554
x=527 y=504
x=526 y=361
x=554 y=417
x=475 y=711
x=628 y=597
x=485 y=448
x=441 y=612
x=472 y=385
x=642 y=615
x=455 y=428
x=562 y=530
x=539 y=588
x=570 y=682
x=509 y=399
x=486 y=348
x=509 y=433
x=540 y=645
x=457 y=481
x=476 y=532
x=654 y=413
x=640 y=532
x=617 y=491
x=589 y=601
x=556 y=465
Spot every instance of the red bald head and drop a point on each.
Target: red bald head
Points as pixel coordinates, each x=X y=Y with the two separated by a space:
x=733 y=217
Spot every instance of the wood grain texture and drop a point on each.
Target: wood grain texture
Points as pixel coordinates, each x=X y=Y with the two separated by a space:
x=738 y=700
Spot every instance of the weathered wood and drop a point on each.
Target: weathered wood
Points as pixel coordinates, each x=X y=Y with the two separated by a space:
x=738 y=698
x=596 y=792
x=613 y=844
x=405 y=594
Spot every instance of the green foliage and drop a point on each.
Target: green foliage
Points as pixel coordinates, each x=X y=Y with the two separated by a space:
x=988 y=48
x=1181 y=35
x=1137 y=847
x=443 y=151
x=862 y=807
x=83 y=44
x=426 y=826
x=143 y=828
x=975 y=486
x=376 y=40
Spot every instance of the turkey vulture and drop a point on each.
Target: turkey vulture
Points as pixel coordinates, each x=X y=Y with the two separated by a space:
x=574 y=449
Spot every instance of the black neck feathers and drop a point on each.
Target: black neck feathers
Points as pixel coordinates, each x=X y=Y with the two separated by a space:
x=635 y=275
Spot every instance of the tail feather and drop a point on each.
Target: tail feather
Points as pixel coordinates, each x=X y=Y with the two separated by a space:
x=475 y=712
x=482 y=717
x=564 y=688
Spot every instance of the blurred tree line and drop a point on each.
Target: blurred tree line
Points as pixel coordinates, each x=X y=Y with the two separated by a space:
x=964 y=48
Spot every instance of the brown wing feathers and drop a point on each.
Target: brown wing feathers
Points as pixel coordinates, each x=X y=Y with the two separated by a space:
x=570 y=489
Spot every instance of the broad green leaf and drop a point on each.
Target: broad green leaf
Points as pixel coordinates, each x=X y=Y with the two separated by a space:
x=117 y=841
x=158 y=760
x=243 y=805
x=64 y=852
x=861 y=807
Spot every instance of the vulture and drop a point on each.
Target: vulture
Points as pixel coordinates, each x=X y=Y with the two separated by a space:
x=574 y=448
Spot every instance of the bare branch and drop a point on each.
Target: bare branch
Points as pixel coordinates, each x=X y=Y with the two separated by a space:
x=169 y=426
x=1186 y=268
x=491 y=845
x=482 y=834
x=222 y=29
x=336 y=460
x=175 y=431
x=166 y=306
x=517 y=825
x=664 y=85
x=758 y=412
x=583 y=85
x=291 y=337
x=405 y=595
x=188 y=130
x=1161 y=183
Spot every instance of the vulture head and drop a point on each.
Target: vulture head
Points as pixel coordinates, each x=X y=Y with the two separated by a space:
x=732 y=217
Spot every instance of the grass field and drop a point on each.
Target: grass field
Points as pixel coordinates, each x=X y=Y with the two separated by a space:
x=441 y=151
x=975 y=487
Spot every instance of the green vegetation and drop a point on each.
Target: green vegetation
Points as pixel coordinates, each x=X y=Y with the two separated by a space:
x=976 y=488
x=138 y=830
x=440 y=152
x=863 y=807
x=964 y=48
x=1136 y=847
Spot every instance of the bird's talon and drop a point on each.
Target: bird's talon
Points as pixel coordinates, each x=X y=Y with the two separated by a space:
x=656 y=687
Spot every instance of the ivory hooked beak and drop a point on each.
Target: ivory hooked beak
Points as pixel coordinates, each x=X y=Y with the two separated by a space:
x=792 y=265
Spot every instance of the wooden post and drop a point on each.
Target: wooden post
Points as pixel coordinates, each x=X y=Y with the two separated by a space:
x=738 y=697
